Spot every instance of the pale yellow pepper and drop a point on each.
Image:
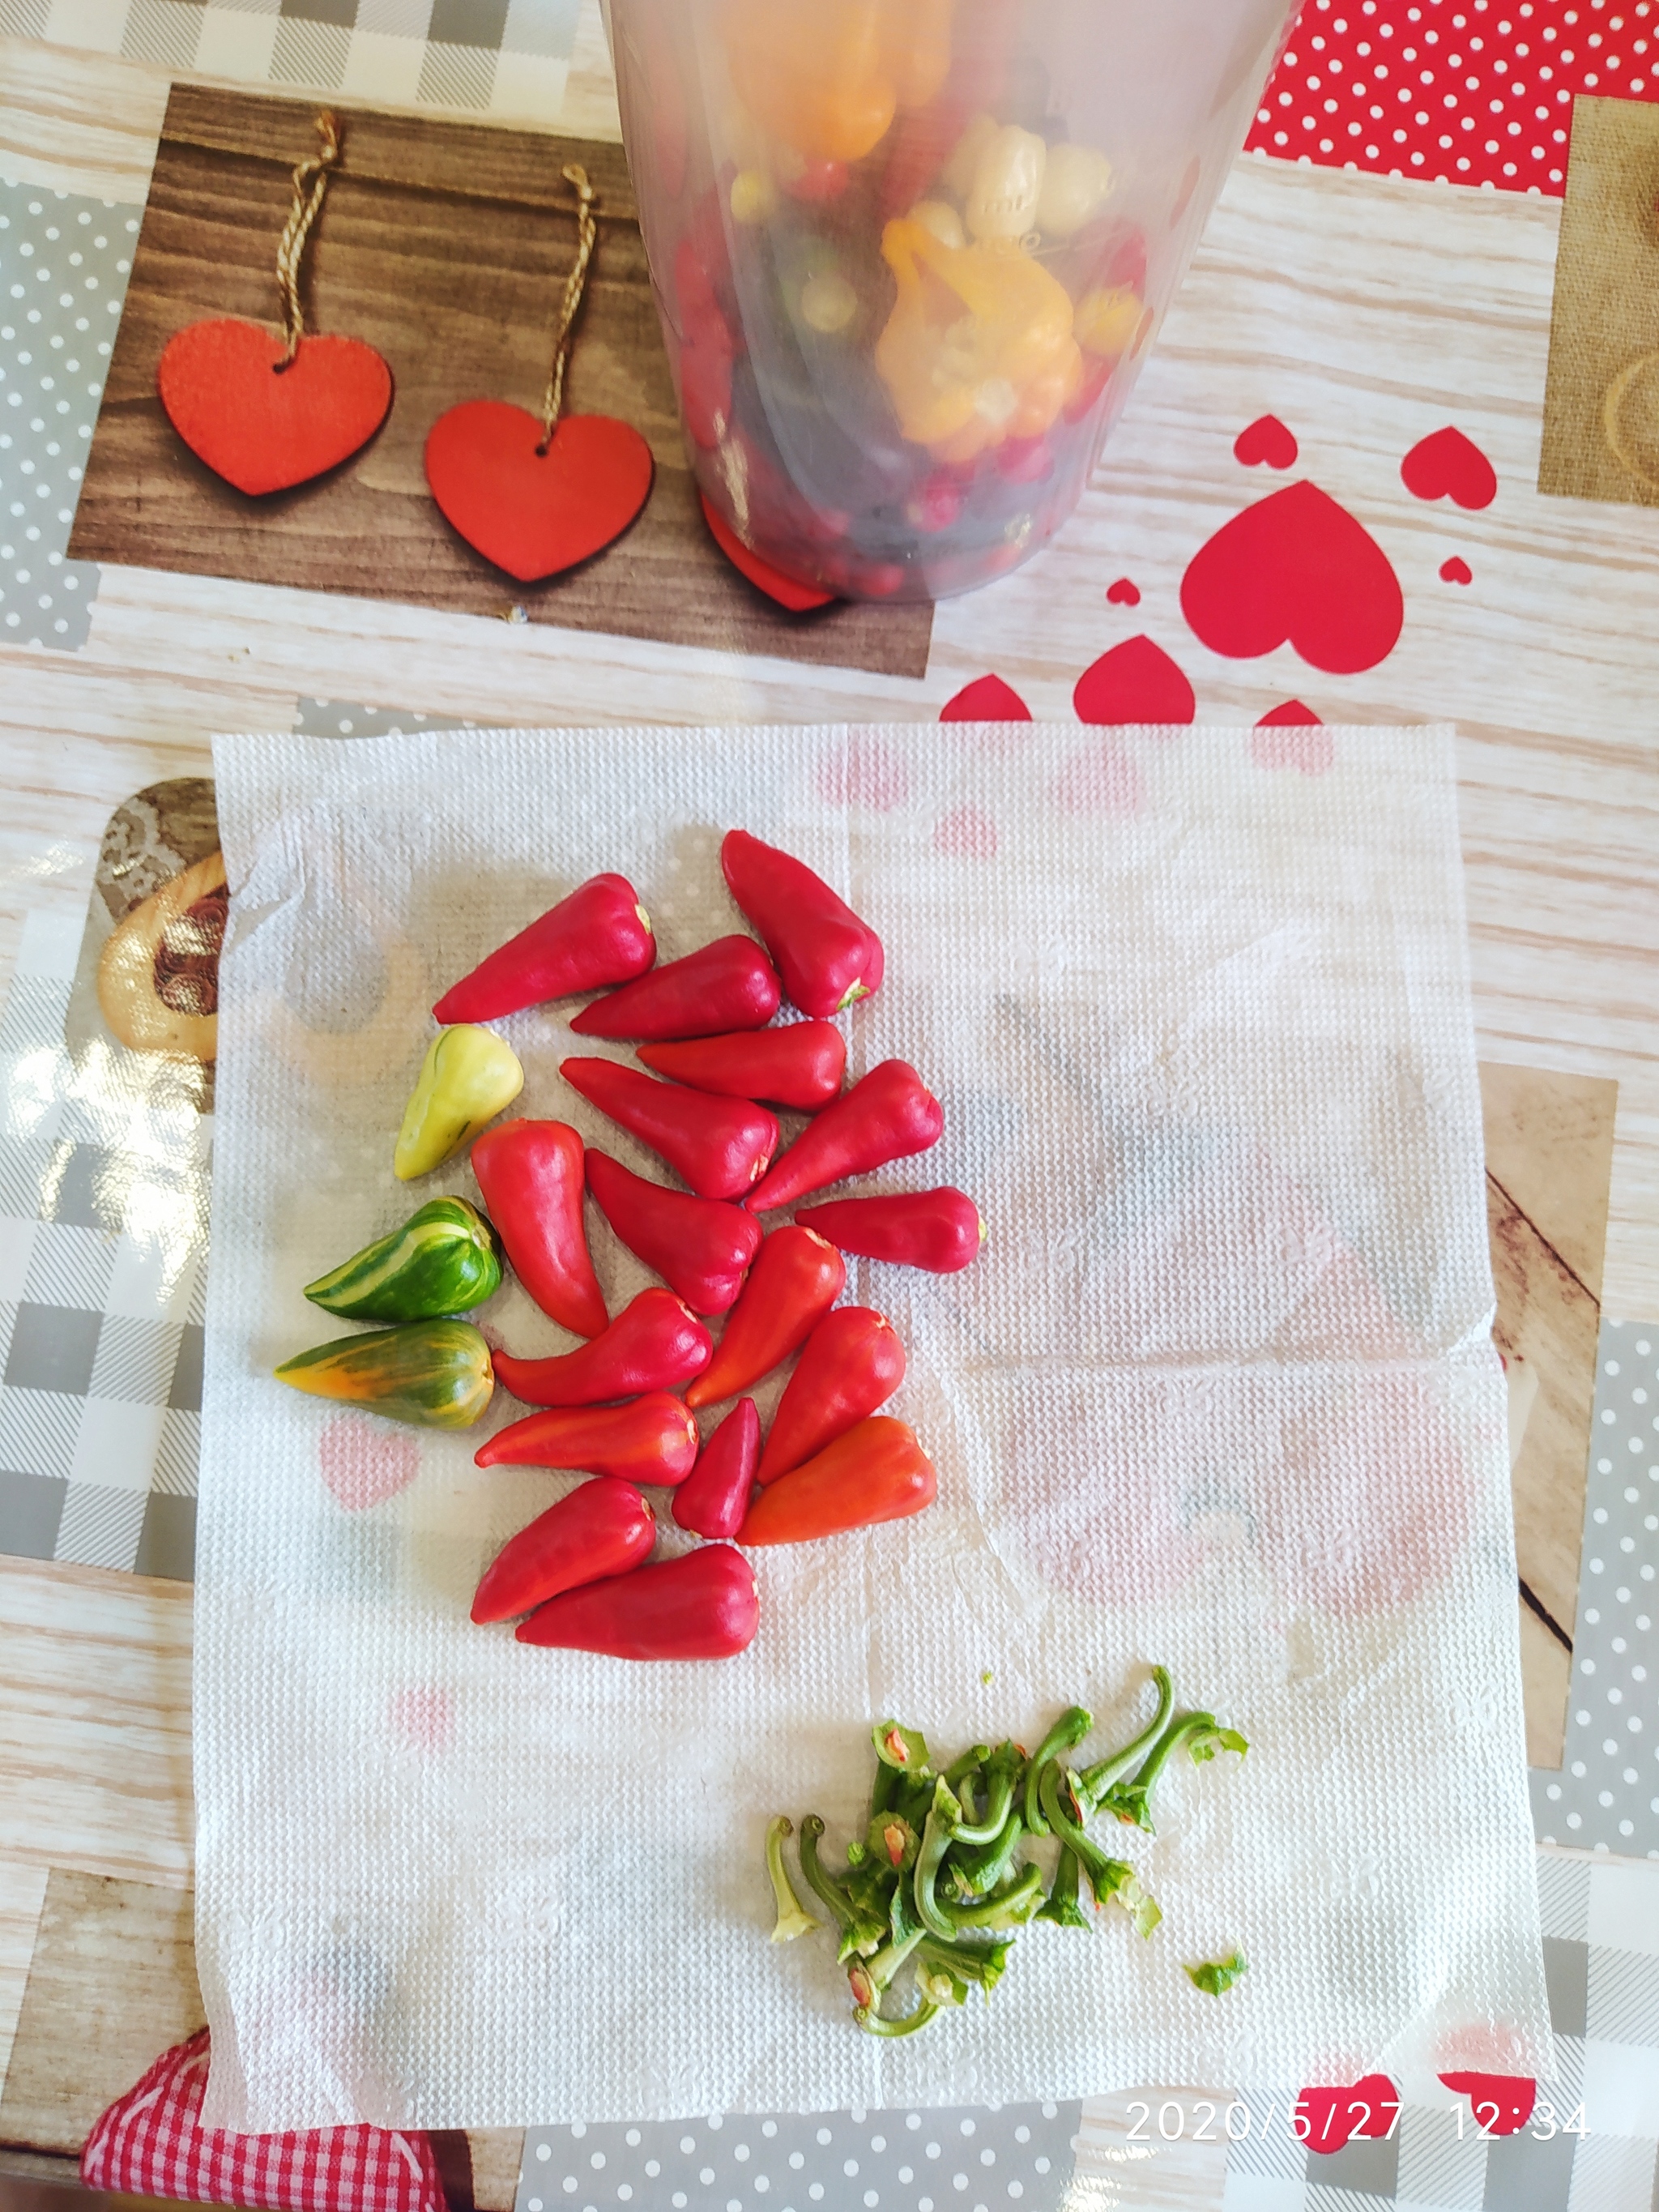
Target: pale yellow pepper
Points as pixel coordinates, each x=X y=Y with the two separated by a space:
x=979 y=346
x=826 y=77
x=468 y=1075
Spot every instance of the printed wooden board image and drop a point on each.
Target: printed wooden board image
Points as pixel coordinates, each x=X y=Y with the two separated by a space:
x=444 y=248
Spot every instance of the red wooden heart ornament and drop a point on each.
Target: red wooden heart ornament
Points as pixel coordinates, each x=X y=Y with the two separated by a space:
x=534 y=513
x=261 y=426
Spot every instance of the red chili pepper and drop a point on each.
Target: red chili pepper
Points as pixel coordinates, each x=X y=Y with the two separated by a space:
x=601 y=1528
x=853 y=1362
x=728 y=984
x=722 y=1146
x=600 y=934
x=704 y=1605
x=531 y=1175
x=827 y=957
x=653 y=1343
x=792 y=1285
x=715 y=1497
x=654 y=1440
x=876 y=1472
x=701 y=1247
x=939 y=1230
x=886 y=1114
x=800 y=1065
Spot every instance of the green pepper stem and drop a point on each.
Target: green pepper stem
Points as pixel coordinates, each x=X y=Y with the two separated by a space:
x=1132 y=1801
x=1062 y=1907
x=980 y=1962
x=1011 y=1906
x=792 y=1917
x=1107 y=1877
x=1001 y=1774
x=971 y=1759
x=983 y=1867
x=872 y=2023
x=821 y=1881
x=1073 y=1724
x=936 y=1840
x=885 y=1963
x=1095 y=1781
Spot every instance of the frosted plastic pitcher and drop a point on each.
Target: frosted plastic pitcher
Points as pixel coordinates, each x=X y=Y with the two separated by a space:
x=908 y=254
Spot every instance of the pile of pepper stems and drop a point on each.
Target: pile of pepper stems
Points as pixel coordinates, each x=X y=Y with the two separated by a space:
x=940 y=1883
x=831 y=1462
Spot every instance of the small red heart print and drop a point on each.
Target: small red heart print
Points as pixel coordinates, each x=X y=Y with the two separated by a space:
x=794 y=598
x=966 y=834
x=1502 y=2103
x=529 y=511
x=1291 y=715
x=1295 y=569
x=1457 y=571
x=423 y=1718
x=1122 y=594
x=362 y=1462
x=1305 y=745
x=863 y=771
x=1326 y=2119
x=987 y=699
x=1103 y=780
x=265 y=429
x=1135 y=681
x=1447 y=465
x=1265 y=442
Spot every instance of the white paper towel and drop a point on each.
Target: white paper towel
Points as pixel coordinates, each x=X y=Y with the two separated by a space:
x=1218 y=1392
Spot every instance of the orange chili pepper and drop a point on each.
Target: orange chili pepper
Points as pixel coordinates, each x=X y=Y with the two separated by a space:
x=876 y=1472
x=827 y=79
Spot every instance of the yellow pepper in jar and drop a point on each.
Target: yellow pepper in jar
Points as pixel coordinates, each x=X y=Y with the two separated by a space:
x=979 y=346
x=827 y=78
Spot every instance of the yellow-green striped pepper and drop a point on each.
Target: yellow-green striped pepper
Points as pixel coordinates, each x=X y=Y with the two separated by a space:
x=444 y=1259
x=435 y=1374
x=468 y=1075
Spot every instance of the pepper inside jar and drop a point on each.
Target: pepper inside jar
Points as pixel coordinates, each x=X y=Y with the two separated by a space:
x=908 y=254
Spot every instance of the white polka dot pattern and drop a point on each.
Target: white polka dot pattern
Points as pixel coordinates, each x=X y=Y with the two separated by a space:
x=1607 y=1795
x=944 y=2160
x=342 y=718
x=1475 y=91
x=64 y=264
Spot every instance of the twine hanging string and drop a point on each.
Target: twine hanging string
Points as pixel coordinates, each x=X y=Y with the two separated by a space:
x=310 y=183
x=569 y=306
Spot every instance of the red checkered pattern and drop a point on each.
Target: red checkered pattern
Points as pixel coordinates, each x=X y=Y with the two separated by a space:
x=151 y=2143
x=1468 y=92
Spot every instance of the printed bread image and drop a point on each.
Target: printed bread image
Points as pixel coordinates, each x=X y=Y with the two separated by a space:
x=158 y=976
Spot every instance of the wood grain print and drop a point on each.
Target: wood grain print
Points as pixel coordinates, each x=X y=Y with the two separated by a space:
x=445 y=247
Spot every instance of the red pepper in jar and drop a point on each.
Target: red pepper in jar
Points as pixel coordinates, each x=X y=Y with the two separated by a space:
x=599 y=1529
x=886 y=1114
x=728 y=984
x=704 y=1605
x=653 y=1343
x=654 y=1440
x=853 y=1363
x=722 y=1146
x=531 y=1175
x=600 y=934
x=876 y=1472
x=827 y=957
x=701 y=1247
x=800 y=1065
x=937 y=1230
x=792 y=1285
x=715 y=1497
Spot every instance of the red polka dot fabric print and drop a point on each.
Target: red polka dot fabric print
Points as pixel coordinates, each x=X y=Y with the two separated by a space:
x=1467 y=92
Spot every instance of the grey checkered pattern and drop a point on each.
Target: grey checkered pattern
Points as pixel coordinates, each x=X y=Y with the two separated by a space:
x=102 y=1240
x=63 y=266
x=504 y=57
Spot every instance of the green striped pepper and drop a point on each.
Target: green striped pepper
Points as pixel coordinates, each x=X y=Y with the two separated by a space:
x=444 y=1259
x=436 y=1373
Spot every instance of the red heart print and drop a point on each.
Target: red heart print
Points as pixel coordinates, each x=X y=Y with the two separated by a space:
x=1326 y=2119
x=863 y=771
x=1135 y=681
x=987 y=699
x=1122 y=594
x=1295 y=569
x=1291 y=715
x=1457 y=571
x=1501 y=2103
x=529 y=511
x=1447 y=465
x=1303 y=743
x=797 y=599
x=362 y=1462
x=1266 y=441
x=261 y=427
x=1104 y=779
x=967 y=833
